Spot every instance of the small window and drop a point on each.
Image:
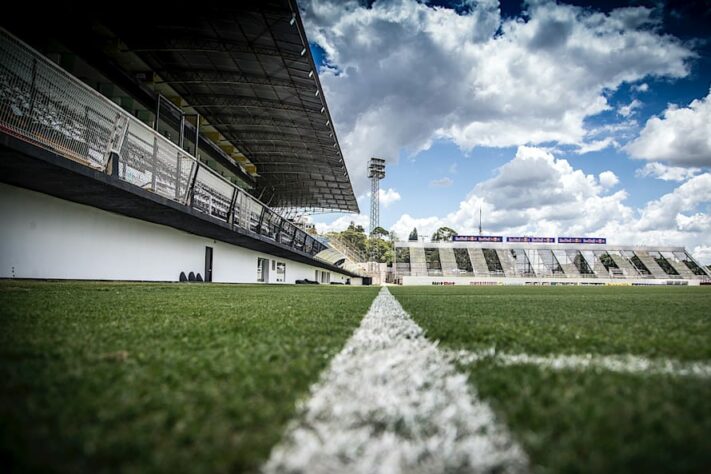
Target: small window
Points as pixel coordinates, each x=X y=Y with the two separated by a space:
x=273 y=264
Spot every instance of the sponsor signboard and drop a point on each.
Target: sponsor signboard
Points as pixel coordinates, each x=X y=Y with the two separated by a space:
x=477 y=238
x=532 y=240
x=582 y=240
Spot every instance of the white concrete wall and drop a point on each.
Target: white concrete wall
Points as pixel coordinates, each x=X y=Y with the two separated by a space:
x=476 y=281
x=45 y=237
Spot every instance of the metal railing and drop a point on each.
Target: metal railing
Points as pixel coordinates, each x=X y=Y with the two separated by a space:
x=43 y=104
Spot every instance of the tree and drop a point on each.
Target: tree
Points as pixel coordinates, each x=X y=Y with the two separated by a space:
x=444 y=234
x=354 y=235
x=380 y=250
x=380 y=232
x=413 y=235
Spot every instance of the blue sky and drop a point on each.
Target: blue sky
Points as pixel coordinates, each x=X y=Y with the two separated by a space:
x=552 y=117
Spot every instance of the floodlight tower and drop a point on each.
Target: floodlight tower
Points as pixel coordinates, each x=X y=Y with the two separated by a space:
x=376 y=172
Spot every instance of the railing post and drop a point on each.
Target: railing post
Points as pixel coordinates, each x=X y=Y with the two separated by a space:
x=278 y=232
x=155 y=125
x=153 y=162
x=177 y=176
x=33 y=88
x=191 y=186
x=231 y=210
x=261 y=219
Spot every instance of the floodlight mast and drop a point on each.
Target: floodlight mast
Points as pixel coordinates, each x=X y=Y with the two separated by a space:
x=376 y=172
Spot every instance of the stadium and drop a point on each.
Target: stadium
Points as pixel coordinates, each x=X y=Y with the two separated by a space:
x=204 y=156
x=488 y=260
x=168 y=305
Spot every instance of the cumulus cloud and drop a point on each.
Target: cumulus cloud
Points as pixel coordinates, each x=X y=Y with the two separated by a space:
x=402 y=73
x=643 y=87
x=667 y=212
x=538 y=194
x=443 y=182
x=608 y=179
x=342 y=223
x=666 y=173
x=388 y=196
x=681 y=136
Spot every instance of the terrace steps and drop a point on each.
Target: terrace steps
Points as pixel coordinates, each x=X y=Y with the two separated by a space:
x=570 y=270
x=681 y=268
x=418 y=264
x=447 y=260
x=623 y=264
x=507 y=262
x=651 y=264
x=476 y=255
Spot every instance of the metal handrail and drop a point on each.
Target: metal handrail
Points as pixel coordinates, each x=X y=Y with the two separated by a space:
x=42 y=103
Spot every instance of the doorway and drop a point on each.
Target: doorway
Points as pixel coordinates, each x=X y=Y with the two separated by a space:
x=208 y=264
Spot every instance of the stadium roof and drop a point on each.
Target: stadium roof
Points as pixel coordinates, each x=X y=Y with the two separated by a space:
x=246 y=67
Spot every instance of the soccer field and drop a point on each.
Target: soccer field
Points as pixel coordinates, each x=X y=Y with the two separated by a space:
x=587 y=379
x=122 y=377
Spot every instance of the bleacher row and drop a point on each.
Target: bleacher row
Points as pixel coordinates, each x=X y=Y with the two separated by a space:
x=546 y=262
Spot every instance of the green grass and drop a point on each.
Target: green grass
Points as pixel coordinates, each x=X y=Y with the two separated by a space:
x=584 y=421
x=115 y=377
x=669 y=322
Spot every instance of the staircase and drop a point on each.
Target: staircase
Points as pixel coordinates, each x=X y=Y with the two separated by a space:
x=682 y=269
x=628 y=270
x=570 y=270
x=476 y=255
x=418 y=264
x=651 y=264
x=507 y=262
x=347 y=249
x=448 y=261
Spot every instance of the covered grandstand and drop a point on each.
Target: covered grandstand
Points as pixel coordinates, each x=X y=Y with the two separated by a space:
x=482 y=260
x=142 y=146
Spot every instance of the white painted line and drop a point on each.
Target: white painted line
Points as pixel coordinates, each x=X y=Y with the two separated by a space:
x=627 y=363
x=392 y=402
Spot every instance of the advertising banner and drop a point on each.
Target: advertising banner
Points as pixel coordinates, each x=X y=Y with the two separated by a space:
x=477 y=238
x=582 y=240
x=532 y=240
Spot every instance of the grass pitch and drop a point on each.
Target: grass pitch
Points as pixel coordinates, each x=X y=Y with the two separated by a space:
x=118 y=377
x=584 y=420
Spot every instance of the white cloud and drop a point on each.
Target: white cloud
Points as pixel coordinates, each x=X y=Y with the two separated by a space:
x=596 y=145
x=405 y=73
x=628 y=109
x=682 y=136
x=703 y=254
x=443 y=182
x=643 y=87
x=388 y=196
x=608 y=179
x=538 y=194
x=666 y=173
x=667 y=211
x=342 y=223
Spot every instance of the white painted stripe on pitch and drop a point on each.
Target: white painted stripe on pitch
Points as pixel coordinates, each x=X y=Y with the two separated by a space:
x=627 y=363
x=392 y=402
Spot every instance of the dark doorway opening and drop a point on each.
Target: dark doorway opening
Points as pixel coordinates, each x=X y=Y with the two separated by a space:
x=208 y=263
